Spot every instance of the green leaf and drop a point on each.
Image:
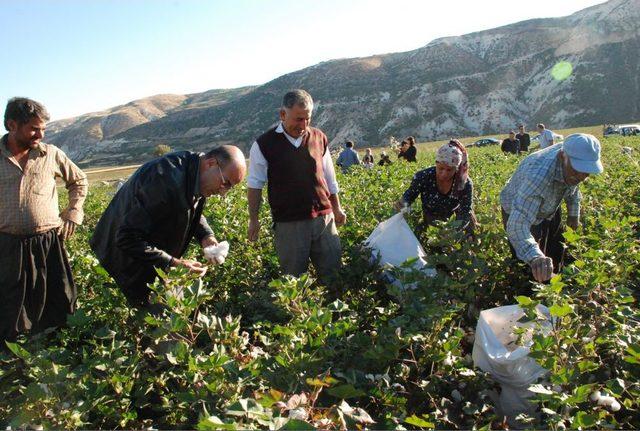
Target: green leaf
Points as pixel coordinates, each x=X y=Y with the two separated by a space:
x=586 y=366
x=560 y=310
x=419 y=422
x=316 y=382
x=78 y=319
x=18 y=350
x=581 y=393
x=346 y=391
x=297 y=424
x=214 y=423
x=584 y=420
x=524 y=301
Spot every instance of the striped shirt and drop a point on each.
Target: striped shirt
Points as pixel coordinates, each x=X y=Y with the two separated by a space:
x=30 y=196
x=534 y=193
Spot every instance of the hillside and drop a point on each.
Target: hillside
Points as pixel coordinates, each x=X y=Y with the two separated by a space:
x=475 y=84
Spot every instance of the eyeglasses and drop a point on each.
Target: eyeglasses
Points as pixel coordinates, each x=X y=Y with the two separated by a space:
x=225 y=182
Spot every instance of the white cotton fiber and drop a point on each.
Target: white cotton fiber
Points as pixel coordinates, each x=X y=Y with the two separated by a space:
x=216 y=254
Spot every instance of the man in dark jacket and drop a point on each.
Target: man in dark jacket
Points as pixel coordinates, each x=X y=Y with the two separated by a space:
x=154 y=215
x=511 y=144
x=524 y=138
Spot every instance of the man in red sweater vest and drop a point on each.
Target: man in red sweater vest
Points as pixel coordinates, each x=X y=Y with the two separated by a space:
x=293 y=160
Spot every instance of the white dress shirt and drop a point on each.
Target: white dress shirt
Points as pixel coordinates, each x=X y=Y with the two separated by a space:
x=546 y=138
x=257 y=177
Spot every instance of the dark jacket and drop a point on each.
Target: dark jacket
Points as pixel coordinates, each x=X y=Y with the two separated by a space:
x=410 y=154
x=509 y=146
x=525 y=141
x=151 y=219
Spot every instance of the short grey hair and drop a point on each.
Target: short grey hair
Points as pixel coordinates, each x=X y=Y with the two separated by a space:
x=297 y=97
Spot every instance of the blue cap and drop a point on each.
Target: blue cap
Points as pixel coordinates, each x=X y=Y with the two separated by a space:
x=584 y=153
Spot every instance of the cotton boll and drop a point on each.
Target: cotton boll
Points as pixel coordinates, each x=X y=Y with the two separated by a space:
x=615 y=406
x=606 y=401
x=448 y=361
x=216 y=254
x=595 y=396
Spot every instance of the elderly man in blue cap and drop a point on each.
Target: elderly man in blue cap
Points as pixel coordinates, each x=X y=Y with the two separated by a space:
x=531 y=200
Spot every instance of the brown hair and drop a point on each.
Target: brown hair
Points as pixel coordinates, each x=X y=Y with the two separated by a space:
x=22 y=110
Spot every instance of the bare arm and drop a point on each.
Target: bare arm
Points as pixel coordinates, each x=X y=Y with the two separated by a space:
x=338 y=214
x=254 y=196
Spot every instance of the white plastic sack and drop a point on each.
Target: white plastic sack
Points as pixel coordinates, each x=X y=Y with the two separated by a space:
x=495 y=351
x=216 y=254
x=394 y=242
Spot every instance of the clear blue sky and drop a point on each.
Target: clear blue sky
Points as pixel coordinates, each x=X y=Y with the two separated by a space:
x=79 y=56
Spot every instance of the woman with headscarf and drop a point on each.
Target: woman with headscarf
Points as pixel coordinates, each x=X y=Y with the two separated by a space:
x=445 y=188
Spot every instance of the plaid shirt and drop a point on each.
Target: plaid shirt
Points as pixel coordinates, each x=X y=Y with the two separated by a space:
x=534 y=193
x=30 y=196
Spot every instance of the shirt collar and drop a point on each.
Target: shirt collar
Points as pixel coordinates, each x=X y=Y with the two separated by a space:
x=558 y=175
x=280 y=129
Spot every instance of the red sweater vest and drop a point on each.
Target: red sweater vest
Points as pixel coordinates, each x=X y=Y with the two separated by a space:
x=296 y=185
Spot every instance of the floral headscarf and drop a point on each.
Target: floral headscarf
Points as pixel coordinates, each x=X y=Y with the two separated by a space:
x=454 y=154
x=450 y=155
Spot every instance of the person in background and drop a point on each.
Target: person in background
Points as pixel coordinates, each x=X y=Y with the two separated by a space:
x=546 y=137
x=408 y=150
x=531 y=199
x=348 y=157
x=511 y=144
x=368 y=160
x=36 y=284
x=524 y=138
x=151 y=220
x=293 y=160
x=384 y=159
x=445 y=189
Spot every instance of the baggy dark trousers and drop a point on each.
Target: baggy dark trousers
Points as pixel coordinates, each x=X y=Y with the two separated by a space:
x=548 y=235
x=36 y=285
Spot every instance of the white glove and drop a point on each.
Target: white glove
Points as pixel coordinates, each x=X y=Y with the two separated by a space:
x=216 y=254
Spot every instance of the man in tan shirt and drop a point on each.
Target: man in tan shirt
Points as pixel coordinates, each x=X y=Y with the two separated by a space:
x=36 y=286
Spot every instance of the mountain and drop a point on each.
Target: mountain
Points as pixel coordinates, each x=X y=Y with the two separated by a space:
x=479 y=83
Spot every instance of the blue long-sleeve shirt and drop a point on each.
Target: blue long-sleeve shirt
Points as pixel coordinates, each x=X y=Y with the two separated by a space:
x=534 y=193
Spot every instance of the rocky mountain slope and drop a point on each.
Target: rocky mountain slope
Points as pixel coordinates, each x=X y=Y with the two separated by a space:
x=479 y=83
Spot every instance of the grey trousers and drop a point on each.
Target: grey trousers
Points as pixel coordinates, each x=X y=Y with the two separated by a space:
x=316 y=239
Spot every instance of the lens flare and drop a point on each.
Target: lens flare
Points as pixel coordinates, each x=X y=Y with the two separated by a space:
x=562 y=70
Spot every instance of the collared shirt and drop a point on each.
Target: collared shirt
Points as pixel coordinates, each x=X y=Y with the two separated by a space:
x=347 y=158
x=534 y=193
x=546 y=138
x=257 y=177
x=30 y=196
